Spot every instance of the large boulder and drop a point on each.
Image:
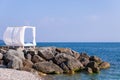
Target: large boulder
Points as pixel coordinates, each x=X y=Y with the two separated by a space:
x=84 y=61
x=15 y=63
x=67 y=62
x=27 y=63
x=74 y=65
x=9 y=55
x=104 y=65
x=14 y=58
x=94 y=66
x=47 y=67
x=37 y=59
x=46 y=52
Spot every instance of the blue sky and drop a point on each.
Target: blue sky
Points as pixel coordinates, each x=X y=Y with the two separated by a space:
x=64 y=20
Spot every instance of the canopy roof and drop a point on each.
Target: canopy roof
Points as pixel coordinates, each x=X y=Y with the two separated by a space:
x=14 y=36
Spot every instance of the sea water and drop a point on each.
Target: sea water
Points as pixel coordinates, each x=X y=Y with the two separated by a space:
x=109 y=52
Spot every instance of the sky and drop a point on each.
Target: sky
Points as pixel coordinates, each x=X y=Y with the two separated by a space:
x=64 y=20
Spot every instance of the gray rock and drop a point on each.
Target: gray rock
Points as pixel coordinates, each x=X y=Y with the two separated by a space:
x=84 y=55
x=46 y=53
x=94 y=66
x=64 y=67
x=15 y=63
x=68 y=52
x=67 y=62
x=27 y=63
x=16 y=53
x=75 y=54
x=28 y=56
x=84 y=61
x=14 y=59
x=63 y=50
x=37 y=58
x=60 y=58
x=3 y=51
x=48 y=67
x=74 y=65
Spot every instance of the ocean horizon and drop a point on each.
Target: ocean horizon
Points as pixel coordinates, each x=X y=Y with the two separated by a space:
x=107 y=51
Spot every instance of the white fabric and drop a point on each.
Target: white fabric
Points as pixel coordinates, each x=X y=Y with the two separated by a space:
x=14 y=36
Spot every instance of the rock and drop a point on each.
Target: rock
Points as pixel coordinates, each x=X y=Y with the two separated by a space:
x=96 y=59
x=37 y=58
x=19 y=53
x=83 y=55
x=63 y=50
x=14 y=58
x=93 y=66
x=3 y=51
x=27 y=63
x=48 y=67
x=41 y=74
x=75 y=54
x=84 y=61
x=32 y=53
x=61 y=58
x=46 y=53
x=89 y=70
x=29 y=70
x=68 y=52
x=3 y=66
x=67 y=62
x=71 y=72
x=27 y=66
x=74 y=65
x=1 y=56
x=104 y=65
x=28 y=56
x=50 y=60
x=96 y=70
x=25 y=53
x=1 y=62
x=64 y=67
x=15 y=63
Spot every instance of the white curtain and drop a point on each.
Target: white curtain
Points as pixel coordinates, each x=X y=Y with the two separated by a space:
x=14 y=36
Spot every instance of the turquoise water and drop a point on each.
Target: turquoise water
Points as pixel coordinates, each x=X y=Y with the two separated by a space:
x=109 y=52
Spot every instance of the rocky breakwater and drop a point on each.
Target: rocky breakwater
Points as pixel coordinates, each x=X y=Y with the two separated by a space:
x=50 y=60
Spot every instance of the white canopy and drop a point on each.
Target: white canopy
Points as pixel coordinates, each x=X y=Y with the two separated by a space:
x=14 y=36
